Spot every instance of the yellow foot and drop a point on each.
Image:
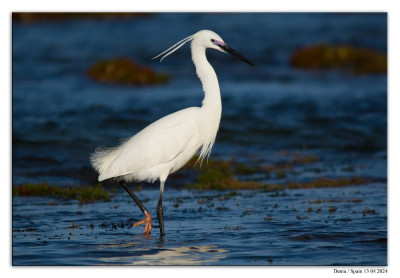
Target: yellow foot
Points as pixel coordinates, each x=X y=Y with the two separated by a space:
x=147 y=220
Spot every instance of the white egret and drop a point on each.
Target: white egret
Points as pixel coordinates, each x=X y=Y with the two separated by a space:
x=166 y=145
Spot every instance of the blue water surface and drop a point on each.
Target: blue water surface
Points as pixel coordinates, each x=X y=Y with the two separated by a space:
x=60 y=116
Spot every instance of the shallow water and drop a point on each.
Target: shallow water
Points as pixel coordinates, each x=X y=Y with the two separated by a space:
x=293 y=227
x=270 y=112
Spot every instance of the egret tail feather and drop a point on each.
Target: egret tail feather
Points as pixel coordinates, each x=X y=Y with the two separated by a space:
x=102 y=157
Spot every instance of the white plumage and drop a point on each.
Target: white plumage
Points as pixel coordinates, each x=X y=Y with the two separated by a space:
x=169 y=143
x=153 y=153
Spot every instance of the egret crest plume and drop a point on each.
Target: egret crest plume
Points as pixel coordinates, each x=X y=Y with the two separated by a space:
x=174 y=48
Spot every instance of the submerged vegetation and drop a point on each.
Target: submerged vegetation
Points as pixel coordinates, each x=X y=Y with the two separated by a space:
x=354 y=59
x=220 y=175
x=213 y=180
x=328 y=182
x=232 y=175
x=84 y=194
x=216 y=175
x=29 y=17
x=125 y=71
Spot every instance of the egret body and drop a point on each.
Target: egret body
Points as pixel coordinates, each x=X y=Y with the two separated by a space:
x=166 y=145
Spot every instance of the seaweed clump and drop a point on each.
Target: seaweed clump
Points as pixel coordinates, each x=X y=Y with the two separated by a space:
x=328 y=182
x=33 y=17
x=220 y=175
x=223 y=175
x=215 y=179
x=84 y=194
x=125 y=71
x=354 y=59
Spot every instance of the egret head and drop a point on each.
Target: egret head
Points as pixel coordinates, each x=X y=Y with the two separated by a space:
x=206 y=39
x=210 y=39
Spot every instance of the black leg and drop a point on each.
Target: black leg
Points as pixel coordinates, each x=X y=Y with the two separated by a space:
x=137 y=201
x=160 y=214
x=147 y=217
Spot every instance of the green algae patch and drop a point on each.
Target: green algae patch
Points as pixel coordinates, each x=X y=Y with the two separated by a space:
x=126 y=72
x=219 y=182
x=324 y=183
x=346 y=57
x=329 y=182
x=84 y=194
x=220 y=175
x=225 y=183
x=228 y=167
x=287 y=165
x=244 y=169
x=223 y=175
x=34 y=17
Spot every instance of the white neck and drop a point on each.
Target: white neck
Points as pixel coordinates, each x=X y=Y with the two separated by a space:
x=212 y=107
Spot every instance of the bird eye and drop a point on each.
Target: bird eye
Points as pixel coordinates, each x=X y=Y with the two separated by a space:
x=212 y=40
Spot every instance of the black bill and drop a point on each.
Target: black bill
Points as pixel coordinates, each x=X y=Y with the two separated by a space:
x=235 y=53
